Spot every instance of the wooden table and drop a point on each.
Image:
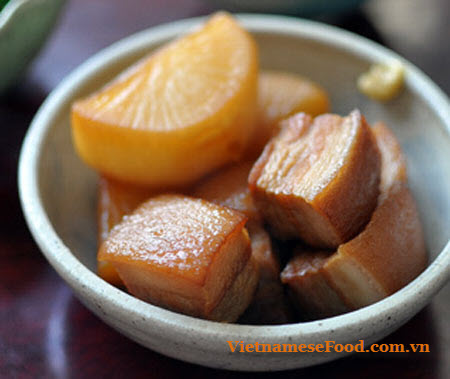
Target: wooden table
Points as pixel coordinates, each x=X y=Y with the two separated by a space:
x=44 y=330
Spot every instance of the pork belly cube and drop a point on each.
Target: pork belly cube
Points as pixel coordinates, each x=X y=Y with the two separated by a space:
x=185 y=254
x=318 y=180
x=383 y=258
x=311 y=293
x=269 y=305
x=264 y=253
x=390 y=252
x=393 y=161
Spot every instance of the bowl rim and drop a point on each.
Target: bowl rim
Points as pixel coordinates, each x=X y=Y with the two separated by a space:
x=81 y=278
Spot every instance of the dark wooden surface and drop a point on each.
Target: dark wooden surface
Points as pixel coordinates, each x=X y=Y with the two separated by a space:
x=44 y=330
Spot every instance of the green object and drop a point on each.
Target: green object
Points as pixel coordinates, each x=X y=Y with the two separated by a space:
x=3 y=3
x=24 y=27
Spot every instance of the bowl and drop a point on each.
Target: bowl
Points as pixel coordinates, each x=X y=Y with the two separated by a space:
x=58 y=194
x=24 y=27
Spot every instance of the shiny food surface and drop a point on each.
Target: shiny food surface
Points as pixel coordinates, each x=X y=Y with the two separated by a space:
x=115 y=199
x=173 y=234
x=381 y=259
x=180 y=85
x=229 y=187
x=308 y=154
x=304 y=262
x=318 y=179
x=183 y=111
x=282 y=94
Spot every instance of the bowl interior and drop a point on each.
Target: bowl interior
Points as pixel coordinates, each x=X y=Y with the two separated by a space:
x=68 y=186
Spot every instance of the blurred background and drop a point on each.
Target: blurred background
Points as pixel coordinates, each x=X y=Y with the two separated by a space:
x=44 y=330
x=416 y=29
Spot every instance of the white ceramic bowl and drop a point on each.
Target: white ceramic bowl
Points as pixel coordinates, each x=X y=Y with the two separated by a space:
x=58 y=194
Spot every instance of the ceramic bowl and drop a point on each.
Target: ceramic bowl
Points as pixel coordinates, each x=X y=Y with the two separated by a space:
x=58 y=194
x=24 y=27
